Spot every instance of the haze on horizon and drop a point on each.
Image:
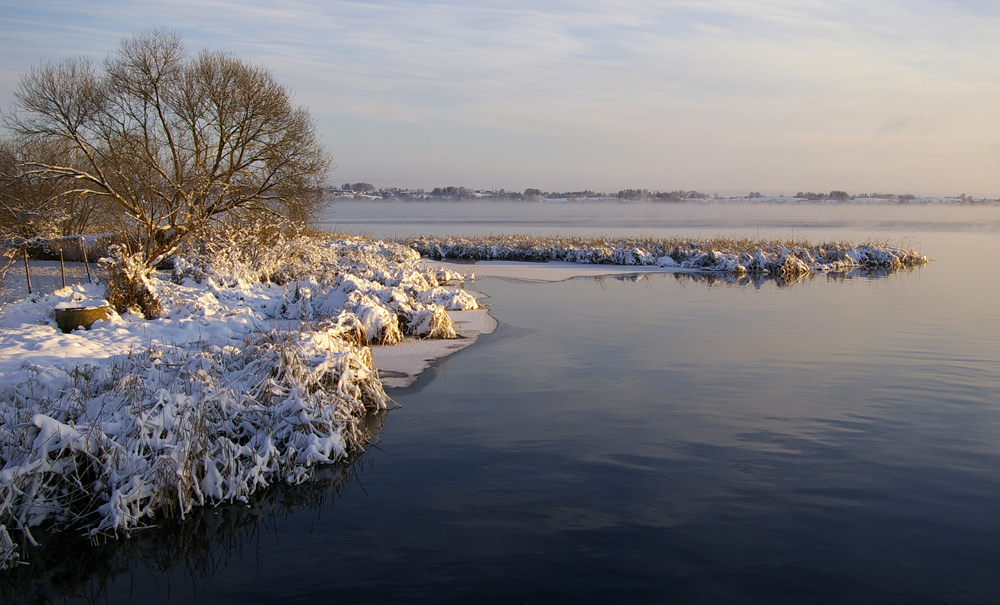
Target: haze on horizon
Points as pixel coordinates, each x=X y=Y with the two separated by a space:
x=723 y=96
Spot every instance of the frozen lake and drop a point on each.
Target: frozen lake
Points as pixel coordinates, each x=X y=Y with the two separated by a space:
x=645 y=441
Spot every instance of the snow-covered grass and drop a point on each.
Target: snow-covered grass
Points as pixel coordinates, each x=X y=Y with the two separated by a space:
x=739 y=256
x=257 y=370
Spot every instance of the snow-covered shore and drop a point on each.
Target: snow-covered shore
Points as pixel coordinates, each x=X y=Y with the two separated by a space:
x=259 y=369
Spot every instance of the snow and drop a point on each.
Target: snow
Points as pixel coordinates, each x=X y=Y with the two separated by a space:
x=80 y=304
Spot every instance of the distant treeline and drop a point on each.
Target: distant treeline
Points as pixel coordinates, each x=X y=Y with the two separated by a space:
x=531 y=194
x=843 y=196
x=454 y=192
x=837 y=196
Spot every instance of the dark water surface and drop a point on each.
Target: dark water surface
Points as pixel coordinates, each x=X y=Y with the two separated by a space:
x=655 y=440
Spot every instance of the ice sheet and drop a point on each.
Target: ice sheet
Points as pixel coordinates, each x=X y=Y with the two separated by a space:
x=544 y=272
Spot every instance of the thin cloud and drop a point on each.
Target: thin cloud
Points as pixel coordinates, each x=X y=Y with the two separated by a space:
x=533 y=81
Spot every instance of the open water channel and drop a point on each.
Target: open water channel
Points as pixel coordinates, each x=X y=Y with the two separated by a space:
x=653 y=440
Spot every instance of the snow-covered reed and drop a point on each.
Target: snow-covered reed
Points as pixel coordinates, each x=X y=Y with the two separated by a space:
x=256 y=371
x=739 y=256
x=106 y=448
x=201 y=544
x=374 y=289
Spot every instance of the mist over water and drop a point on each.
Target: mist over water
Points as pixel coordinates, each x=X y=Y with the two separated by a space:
x=653 y=439
x=388 y=219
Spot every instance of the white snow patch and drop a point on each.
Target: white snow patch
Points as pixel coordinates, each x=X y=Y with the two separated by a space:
x=80 y=304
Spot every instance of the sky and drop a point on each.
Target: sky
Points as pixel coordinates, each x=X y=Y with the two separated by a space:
x=721 y=96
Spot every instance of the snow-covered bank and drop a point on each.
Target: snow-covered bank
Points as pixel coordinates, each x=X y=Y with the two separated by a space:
x=258 y=370
x=399 y=365
x=263 y=363
x=785 y=259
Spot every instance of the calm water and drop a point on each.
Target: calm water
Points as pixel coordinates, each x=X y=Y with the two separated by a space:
x=653 y=440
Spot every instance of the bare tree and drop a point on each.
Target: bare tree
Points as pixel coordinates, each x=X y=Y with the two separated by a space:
x=171 y=142
x=34 y=206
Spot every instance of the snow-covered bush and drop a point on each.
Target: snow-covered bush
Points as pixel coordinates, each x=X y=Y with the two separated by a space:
x=129 y=287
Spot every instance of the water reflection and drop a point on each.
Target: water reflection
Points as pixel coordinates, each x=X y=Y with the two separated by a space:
x=66 y=567
x=757 y=280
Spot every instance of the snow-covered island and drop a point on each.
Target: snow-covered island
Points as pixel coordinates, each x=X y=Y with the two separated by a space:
x=785 y=261
x=263 y=365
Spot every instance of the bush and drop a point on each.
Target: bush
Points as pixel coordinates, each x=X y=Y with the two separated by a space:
x=129 y=288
